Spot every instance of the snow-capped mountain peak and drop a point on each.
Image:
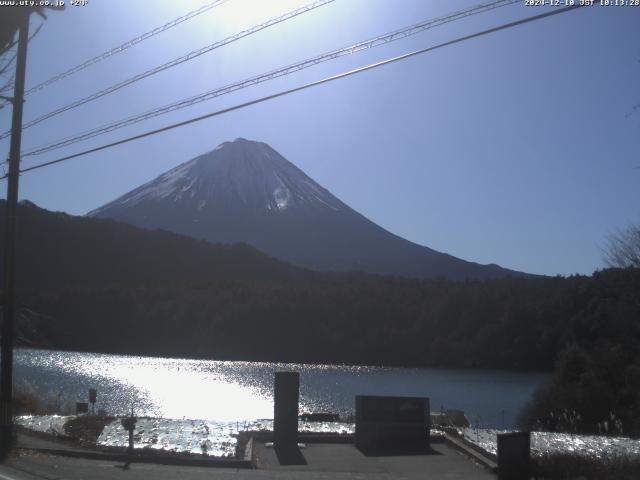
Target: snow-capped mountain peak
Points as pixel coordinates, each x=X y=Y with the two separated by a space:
x=241 y=173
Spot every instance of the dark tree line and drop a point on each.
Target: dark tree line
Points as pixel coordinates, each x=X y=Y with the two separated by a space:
x=512 y=324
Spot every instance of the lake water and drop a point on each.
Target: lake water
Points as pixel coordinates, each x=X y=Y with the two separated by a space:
x=226 y=391
x=196 y=403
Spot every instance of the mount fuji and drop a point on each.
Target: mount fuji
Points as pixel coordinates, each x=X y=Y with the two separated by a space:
x=245 y=191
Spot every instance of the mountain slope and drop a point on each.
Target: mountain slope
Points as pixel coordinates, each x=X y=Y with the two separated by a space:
x=245 y=191
x=56 y=250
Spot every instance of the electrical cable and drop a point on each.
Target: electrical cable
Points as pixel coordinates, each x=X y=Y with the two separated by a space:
x=282 y=71
x=306 y=86
x=177 y=61
x=124 y=46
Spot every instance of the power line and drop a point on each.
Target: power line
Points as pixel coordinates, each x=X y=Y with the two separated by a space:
x=126 y=45
x=177 y=61
x=306 y=86
x=282 y=71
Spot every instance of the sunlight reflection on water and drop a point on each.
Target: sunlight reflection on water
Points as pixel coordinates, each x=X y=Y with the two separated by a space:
x=226 y=391
x=194 y=402
x=170 y=388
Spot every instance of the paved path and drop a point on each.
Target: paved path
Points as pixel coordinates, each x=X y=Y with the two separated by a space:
x=346 y=461
x=27 y=440
x=325 y=461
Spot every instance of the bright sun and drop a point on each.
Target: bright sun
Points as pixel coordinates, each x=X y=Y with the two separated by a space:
x=242 y=14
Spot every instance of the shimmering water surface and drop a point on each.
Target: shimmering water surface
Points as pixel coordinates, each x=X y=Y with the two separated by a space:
x=238 y=392
x=191 y=404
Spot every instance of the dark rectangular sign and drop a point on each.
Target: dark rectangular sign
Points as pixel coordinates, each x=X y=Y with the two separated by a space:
x=392 y=424
x=393 y=409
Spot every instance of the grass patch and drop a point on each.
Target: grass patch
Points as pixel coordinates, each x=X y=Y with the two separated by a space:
x=562 y=466
x=86 y=428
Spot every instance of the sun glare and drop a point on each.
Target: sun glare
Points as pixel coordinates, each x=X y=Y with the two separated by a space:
x=241 y=14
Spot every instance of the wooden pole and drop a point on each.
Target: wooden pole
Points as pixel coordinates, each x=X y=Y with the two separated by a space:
x=8 y=288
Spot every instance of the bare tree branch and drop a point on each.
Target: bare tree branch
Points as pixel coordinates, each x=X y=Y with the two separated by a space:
x=623 y=248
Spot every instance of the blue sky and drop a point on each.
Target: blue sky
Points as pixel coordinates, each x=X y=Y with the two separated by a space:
x=518 y=148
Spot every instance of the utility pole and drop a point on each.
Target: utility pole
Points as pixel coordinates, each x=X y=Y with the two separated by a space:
x=8 y=287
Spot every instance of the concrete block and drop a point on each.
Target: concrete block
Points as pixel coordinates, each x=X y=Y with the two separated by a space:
x=514 y=455
x=392 y=425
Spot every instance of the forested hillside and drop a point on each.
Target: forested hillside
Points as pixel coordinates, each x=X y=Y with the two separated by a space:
x=57 y=250
x=104 y=286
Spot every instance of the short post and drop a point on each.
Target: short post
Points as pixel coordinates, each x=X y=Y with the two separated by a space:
x=513 y=455
x=92 y=399
x=129 y=424
x=285 y=409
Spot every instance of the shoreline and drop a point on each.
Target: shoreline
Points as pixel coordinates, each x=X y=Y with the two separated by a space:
x=578 y=457
x=300 y=363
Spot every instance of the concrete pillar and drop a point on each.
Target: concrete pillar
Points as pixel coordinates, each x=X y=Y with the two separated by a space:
x=514 y=455
x=285 y=409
